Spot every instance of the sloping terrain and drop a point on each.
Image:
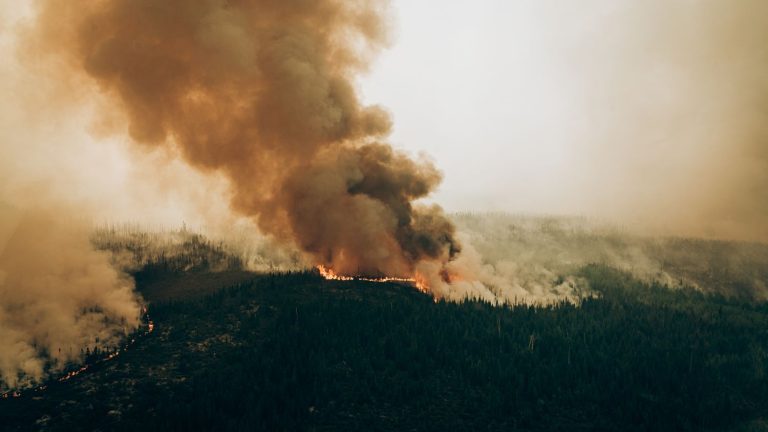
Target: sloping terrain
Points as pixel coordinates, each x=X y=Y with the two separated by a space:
x=293 y=351
x=540 y=249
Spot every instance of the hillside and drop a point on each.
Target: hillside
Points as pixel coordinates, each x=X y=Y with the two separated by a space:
x=295 y=352
x=537 y=250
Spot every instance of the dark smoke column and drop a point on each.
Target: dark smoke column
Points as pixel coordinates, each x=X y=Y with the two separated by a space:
x=262 y=92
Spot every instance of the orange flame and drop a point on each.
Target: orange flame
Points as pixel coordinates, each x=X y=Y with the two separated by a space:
x=71 y=374
x=329 y=274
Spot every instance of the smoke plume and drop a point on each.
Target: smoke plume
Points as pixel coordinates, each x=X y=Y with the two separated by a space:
x=262 y=92
x=59 y=296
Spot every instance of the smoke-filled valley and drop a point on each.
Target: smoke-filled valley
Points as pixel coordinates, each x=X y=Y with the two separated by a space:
x=207 y=221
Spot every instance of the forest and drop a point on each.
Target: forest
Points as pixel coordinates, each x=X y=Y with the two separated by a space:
x=291 y=351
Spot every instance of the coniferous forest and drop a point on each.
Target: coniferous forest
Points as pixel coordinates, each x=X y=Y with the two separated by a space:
x=384 y=215
x=295 y=352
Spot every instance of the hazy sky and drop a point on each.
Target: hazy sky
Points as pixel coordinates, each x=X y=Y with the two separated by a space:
x=473 y=85
x=644 y=111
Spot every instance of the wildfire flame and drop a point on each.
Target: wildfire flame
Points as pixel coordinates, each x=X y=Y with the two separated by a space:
x=329 y=274
x=71 y=374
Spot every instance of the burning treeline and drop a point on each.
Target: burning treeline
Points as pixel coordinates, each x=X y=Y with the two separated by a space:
x=58 y=296
x=262 y=91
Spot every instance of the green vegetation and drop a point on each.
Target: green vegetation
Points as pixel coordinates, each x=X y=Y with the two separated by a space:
x=294 y=352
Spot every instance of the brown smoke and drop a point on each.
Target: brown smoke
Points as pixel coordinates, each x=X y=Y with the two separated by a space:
x=58 y=296
x=262 y=92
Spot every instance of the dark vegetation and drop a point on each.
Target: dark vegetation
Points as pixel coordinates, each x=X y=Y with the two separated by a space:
x=173 y=264
x=294 y=352
x=149 y=256
x=735 y=269
x=234 y=350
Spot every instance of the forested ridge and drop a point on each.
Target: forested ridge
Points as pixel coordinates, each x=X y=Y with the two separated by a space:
x=295 y=352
